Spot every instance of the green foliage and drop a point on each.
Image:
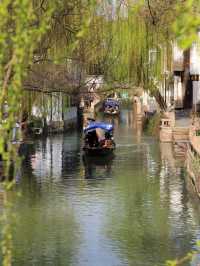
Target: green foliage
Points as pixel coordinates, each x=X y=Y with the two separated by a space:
x=187 y=23
x=20 y=32
x=126 y=45
x=31 y=30
x=152 y=125
x=68 y=25
x=115 y=40
x=22 y=36
x=178 y=262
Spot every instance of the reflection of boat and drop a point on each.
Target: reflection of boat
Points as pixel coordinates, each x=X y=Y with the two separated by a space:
x=98 y=160
x=111 y=106
x=98 y=138
x=98 y=167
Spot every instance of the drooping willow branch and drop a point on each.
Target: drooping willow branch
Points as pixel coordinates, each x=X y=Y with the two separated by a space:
x=151 y=13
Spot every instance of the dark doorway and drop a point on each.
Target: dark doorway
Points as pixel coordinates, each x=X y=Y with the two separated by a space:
x=188 y=99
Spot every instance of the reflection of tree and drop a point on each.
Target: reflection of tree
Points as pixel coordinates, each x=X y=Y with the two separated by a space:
x=70 y=154
x=141 y=226
x=46 y=231
x=98 y=167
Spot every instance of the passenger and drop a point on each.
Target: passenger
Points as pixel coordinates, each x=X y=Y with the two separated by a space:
x=101 y=136
x=92 y=139
x=108 y=140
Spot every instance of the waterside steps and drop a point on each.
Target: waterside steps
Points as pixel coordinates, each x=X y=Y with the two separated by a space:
x=180 y=138
x=178 y=135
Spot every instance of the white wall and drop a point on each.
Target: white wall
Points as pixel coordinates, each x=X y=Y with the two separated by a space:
x=37 y=110
x=195 y=59
x=196 y=92
x=195 y=70
x=178 y=92
x=178 y=58
x=56 y=106
x=149 y=102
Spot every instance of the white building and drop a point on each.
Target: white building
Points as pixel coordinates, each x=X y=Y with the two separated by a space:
x=178 y=68
x=186 y=67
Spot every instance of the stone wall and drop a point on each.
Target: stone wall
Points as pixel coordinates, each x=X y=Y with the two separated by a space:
x=193 y=169
x=193 y=158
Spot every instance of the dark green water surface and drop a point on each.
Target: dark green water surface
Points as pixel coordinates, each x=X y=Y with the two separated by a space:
x=133 y=209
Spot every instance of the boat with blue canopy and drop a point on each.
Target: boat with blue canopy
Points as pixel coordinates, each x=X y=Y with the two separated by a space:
x=94 y=125
x=111 y=106
x=98 y=138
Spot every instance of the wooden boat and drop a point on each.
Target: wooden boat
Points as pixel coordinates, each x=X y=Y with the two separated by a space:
x=111 y=106
x=98 y=139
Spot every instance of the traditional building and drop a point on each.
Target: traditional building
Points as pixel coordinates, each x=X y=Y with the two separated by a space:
x=186 y=69
x=51 y=95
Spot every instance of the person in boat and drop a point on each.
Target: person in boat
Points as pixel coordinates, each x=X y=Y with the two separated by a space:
x=92 y=139
x=95 y=138
x=108 y=140
x=87 y=121
x=98 y=135
x=104 y=138
x=99 y=138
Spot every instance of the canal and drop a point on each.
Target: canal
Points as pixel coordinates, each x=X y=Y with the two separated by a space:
x=133 y=209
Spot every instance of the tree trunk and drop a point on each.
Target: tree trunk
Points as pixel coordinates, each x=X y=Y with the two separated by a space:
x=160 y=100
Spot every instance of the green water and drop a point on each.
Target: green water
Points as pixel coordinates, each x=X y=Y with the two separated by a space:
x=133 y=209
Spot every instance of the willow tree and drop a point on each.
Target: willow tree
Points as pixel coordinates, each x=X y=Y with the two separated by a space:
x=139 y=38
x=30 y=30
x=34 y=32
x=187 y=23
x=136 y=36
x=59 y=47
x=20 y=32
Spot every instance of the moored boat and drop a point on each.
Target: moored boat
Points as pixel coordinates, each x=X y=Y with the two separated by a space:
x=111 y=106
x=98 y=139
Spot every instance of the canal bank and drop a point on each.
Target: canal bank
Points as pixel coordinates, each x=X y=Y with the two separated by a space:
x=131 y=210
x=181 y=130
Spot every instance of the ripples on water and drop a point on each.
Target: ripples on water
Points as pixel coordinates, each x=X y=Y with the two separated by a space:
x=129 y=209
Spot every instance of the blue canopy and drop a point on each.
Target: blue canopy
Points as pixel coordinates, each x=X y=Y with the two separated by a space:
x=94 y=125
x=111 y=102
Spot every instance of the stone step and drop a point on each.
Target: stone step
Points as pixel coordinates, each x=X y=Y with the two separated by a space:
x=180 y=134
x=183 y=142
x=181 y=129
x=180 y=139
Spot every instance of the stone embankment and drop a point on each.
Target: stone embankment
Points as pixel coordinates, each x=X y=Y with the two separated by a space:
x=184 y=134
x=175 y=129
x=193 y=156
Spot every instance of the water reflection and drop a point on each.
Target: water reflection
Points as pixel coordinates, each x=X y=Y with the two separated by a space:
x=98 y=167
x=71 y=154
x=131 y=209
x=146 y=218
x=46 y=231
